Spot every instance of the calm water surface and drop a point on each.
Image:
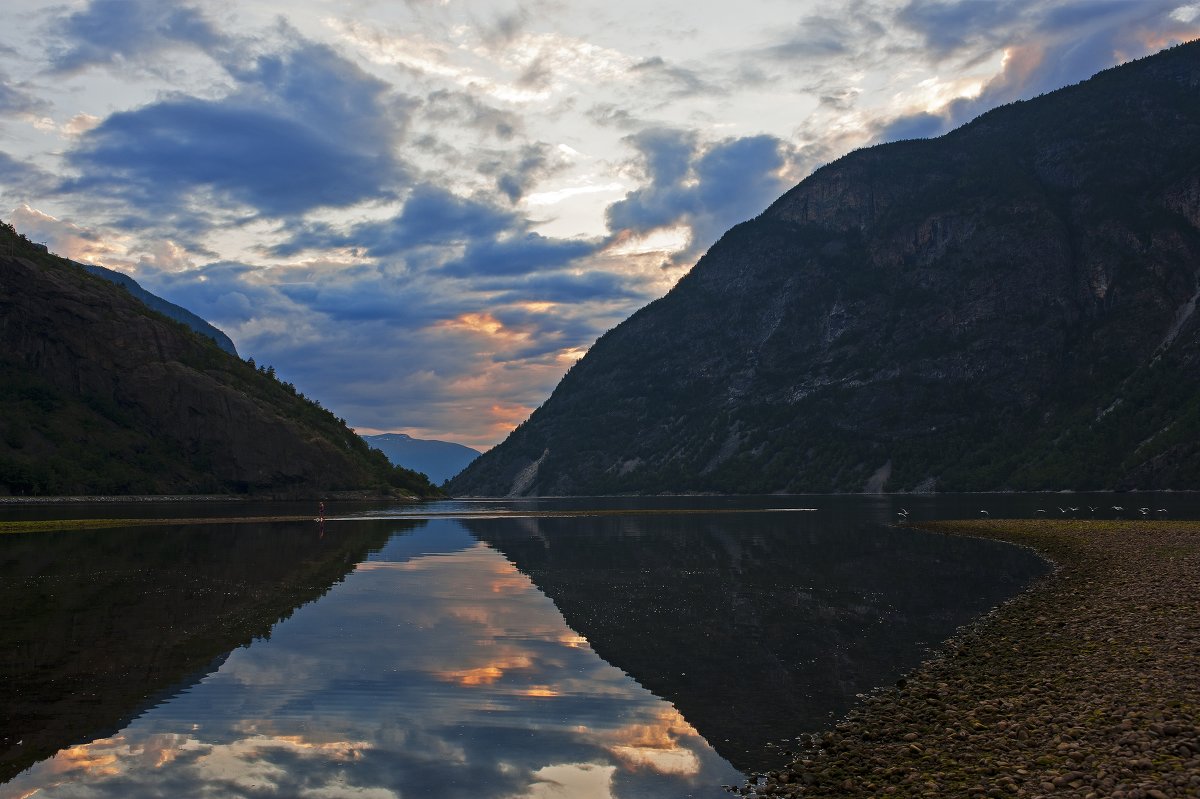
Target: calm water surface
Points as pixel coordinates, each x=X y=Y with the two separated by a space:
x=474 y=649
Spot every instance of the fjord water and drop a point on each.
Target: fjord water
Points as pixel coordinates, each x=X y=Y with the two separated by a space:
x=507 y=649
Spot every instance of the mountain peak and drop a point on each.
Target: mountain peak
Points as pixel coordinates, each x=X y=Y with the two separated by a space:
x=439 y=460
x=1008 y=306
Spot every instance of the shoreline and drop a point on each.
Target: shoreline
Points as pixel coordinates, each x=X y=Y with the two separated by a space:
x=115 y=498
x=1087 y=684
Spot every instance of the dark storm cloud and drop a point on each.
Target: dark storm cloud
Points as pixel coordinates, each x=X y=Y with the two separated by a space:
x=159 y=155
x=518 y=255
x=109 y=32
x=306 y=129
x=434 y=216
x=709 y=189
x=431 y=216
x=666 y=153
x=494 y=240
x=319 y=87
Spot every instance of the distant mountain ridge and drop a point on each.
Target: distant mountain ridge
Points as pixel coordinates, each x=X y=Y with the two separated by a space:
x=164 y=307
x=438 y=460
x=1008 y=306
x=99 y=394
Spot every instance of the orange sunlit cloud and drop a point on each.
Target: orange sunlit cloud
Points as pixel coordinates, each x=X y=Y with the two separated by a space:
x=657 y=744
x=488 y=674
x=95 y=759
x=539 y=691
x=508 y=580
x=342 y=751
x=484 y=323
x=572 y=640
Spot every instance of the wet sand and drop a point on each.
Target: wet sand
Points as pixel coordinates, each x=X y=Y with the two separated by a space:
x=1086 y=685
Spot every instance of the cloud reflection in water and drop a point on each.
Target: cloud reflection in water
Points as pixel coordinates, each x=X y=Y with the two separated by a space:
x=443 y=674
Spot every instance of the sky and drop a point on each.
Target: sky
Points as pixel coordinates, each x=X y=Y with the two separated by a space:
x=421 y=213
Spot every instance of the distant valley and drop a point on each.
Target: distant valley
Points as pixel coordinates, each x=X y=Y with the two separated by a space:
x=438 y=460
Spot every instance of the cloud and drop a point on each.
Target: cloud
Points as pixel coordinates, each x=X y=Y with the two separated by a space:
x=1046 y=46
x=947 y=26
x=431 y=216
x=823 y=37
x=611 y=115
x=921 y=125
x=22 y=178
x=306 y=129
x=517 y=255
x=523 y=168
x=14 y=100
x=168 y=152
x=447 y=105
x=682 y=82
x=592 y=286
x=709 y=188
x=62 y=237
x=454 y=236
x=113 y=32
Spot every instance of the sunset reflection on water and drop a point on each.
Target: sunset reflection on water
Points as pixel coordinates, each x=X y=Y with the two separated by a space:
x=420 y=674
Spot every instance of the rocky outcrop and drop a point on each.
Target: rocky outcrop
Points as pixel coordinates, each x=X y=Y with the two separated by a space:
x=164 y=307
x=1004 y=307
x=99 y=394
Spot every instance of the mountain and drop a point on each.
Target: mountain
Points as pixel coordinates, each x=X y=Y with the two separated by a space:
x=101 y=395
x=439 y=460
x=164 y=307
x=1008 y=306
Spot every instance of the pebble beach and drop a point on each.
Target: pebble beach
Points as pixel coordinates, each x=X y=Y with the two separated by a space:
x=1086 y=685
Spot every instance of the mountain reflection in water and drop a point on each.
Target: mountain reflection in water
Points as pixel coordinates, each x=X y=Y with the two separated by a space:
x=97 y=625
x=434 y=668
x=759 y=627
x=501 y=657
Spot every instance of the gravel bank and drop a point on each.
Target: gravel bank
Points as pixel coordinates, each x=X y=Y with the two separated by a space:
x=1087 y=685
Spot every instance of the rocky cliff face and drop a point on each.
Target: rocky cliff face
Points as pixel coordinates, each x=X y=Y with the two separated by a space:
x=99 y=394
x=1010 y=306
x=164 y=307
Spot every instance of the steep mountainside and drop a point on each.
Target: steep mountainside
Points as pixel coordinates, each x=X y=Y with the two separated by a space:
x=1009 y=306
x=99 y=394
x=439 y=460
x=164 y=307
